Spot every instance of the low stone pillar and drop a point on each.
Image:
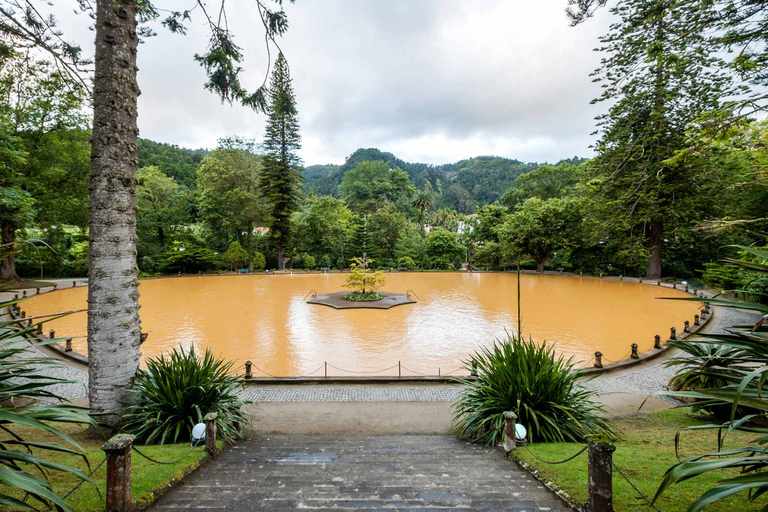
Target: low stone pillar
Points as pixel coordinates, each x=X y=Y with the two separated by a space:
x=510 y=436
x=657 y=341
x=672 y=333
x=24 y=293
x=686 y=288
x=248 y=366
x=634 y=355
x=55 y=286
x=118 y=452
x=37 y=290
x=74 y=284
x=640 y=280
x=210 y=432
x=52 y=333
x=674 y=286
x=23 y=314
x=696 y=320
x=621 y=278
x=600 y=477
x=68 y=345
x=598 y=359
x=658 y=283
x=687 y=325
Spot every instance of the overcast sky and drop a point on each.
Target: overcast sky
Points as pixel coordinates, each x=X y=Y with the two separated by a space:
x=428 y=80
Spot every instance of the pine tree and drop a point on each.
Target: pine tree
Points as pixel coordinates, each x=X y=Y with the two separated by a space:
x=661 y=75
x=360 y=243
x=281 y=174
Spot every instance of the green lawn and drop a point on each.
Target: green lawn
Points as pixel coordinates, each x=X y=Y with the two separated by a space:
x=644 y=454
x=147 y=477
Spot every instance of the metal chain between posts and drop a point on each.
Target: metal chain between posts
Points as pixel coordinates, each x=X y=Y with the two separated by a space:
x=638 y=491
x=362 y=373
x=81 y=482
x=559 y=461
x=170 y=463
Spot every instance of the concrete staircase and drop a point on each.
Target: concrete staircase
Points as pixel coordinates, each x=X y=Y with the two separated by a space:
x=425 y=473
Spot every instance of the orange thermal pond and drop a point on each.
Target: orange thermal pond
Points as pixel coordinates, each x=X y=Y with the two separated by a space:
x=265 y=319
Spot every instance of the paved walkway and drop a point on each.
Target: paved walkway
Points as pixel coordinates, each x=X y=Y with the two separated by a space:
x=425 y=473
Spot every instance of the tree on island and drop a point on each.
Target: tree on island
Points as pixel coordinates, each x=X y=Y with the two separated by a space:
x=363 y=281
x=281 y=175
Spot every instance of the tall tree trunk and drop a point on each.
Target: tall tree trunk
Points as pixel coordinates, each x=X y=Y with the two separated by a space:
x=281 y=259
x=250 y=246
x=114 y=328
x=8 y=263
x=654 y=246
x=540 y=266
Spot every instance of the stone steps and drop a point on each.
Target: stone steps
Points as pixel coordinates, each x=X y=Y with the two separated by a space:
x=393 y=473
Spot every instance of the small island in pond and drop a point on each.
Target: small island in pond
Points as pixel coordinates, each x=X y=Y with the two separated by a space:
x=364 y=284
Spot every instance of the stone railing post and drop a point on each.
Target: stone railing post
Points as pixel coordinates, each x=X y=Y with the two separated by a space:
x=634 y=355
x=687 y=327
x=600 y=477
x=68 y=345
x=657 y=341
x=210 y=432
x=248 y=366
x=696 y=320
x=118 y=452
x=52 y=334
x=672 y=333
x=598 y=359
x=510 y=420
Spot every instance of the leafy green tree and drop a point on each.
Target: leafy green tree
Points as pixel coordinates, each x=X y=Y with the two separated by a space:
x=235 y=256
x=489 y=220
x=175 y=162
x=370 y=183
x=659 y=83
x=161 y=209
x=228 y=192
x=259 y=261
x=16 y=205
x=386 y=228
x=324 y=224
x=309 y=262
x=538 y=228
x=441 y=248
x=281 y=177
x=544 y=182
x=360 y=241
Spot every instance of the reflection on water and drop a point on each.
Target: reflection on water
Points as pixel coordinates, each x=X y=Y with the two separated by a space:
x=265 y=319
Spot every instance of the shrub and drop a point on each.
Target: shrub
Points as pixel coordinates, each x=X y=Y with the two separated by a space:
x=536 y=384
x=406 y=262
x=23 y=465
x=235 y=256
x=190 y=260
x=325 y=261
x=363 y=296
x=176 y=392
x=259 y=261
x=309 y=262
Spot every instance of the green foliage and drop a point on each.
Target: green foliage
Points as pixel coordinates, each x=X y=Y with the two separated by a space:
x=539 y=386
x=357 y=296
x=362 y=279
x=191 y=260
x=544 y=182
x=537 y=228
x=173 y=161
x=309 y=262
x=24 y=462
x=175 y=393
x=442 y=250
x=236 y=256
x=407 y=263
x=259 y=262
x=162 y=208
x=325 y=261
x=370 y=183
x=729 y=373
x=280 y=180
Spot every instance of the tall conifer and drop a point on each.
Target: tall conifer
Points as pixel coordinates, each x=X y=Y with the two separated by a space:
x=281 y=174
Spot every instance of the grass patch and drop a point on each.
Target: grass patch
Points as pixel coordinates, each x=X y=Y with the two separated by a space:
x=646 y=451
x=147 y=478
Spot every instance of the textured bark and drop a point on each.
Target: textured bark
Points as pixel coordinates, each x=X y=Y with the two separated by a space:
x=114 y=330
x=281 y=259
x=654 y=246
x=540 y=266
x=8 y=264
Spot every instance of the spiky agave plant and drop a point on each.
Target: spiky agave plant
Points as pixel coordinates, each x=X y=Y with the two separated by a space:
x=535 y=383
x=27 y=402
x=175 y=392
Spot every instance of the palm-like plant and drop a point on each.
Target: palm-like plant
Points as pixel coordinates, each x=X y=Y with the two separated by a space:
x=539 y=386
x=736 y=382
x=23 y=465
x=422 y=202
x=175 y=393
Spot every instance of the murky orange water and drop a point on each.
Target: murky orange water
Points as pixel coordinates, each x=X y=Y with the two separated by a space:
x=265 y=319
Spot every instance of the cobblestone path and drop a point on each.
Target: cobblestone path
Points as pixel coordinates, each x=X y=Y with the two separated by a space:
x=392 y=394
x=424 y=473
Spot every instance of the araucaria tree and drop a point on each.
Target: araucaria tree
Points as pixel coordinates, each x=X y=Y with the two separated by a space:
x=281 y=172
x=661 y=77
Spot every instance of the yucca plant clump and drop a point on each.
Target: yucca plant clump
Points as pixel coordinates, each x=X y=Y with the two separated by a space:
x=26 y=402
x=532 y=381
x=174 y=393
